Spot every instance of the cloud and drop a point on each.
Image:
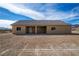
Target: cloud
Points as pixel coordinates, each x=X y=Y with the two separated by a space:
x=54 y=14
x=6 y=23
x=23 y=11
x=49 y=13
x=75 y=10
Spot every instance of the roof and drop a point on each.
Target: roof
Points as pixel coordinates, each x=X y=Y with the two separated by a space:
x=39 y=22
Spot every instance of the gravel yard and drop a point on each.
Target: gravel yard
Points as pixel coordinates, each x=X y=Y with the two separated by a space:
x=39 y=45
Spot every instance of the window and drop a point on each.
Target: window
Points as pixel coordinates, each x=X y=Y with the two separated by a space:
x=53 y=28
x=18 y=28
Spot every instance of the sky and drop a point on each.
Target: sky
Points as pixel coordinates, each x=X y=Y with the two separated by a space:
x=12 y=12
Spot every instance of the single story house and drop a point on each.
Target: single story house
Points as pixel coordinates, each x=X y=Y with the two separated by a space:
x=40 y=27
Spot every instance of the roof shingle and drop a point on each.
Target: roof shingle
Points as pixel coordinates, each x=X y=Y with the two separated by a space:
x=39 y=22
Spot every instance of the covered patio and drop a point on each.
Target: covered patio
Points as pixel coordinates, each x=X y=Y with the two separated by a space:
x=35 y=29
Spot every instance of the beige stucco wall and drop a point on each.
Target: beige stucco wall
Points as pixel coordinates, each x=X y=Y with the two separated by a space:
x=18 y=32
x=60 y=29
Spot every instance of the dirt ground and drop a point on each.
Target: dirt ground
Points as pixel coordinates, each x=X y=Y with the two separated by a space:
x=39 y=45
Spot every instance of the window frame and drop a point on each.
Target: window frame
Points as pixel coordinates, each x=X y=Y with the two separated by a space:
x=18 y=28
x=53 y=28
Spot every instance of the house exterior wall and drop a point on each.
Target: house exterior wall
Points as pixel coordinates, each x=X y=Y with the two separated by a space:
x=14 y=30
x=60 y=29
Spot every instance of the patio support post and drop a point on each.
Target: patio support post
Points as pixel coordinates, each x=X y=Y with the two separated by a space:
x=35 y=29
